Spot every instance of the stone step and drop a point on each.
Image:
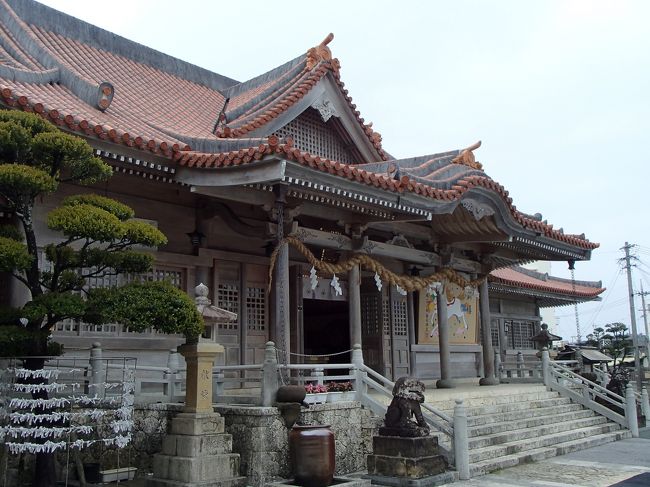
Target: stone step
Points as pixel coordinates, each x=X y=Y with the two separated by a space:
x=560 y=414
x=480 y=410
x=534 y=432
x=559 y=406
x=495 y=451
x=534 y=455
x=494 y=400
x=230 y=482
x=196 y=469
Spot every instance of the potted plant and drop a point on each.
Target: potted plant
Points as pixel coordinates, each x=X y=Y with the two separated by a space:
x=316 y=393
x=340 y=391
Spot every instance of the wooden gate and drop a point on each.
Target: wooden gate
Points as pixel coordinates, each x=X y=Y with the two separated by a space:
x=384 y=329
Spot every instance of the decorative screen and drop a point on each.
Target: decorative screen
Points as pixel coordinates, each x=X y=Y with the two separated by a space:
x=494 y=333
x=256 y=308
x=370 y=310
x=312 y=135
x=400 y=321
x=228 y=299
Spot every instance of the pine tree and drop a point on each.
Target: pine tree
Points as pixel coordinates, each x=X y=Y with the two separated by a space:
x=98 y=236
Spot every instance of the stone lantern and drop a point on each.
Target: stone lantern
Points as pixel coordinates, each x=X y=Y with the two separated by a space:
x=200 y=356
x=197 y=451
x=544 y=339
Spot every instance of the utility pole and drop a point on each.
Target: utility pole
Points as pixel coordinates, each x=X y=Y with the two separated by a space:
x=645 y=322
x=635 y=338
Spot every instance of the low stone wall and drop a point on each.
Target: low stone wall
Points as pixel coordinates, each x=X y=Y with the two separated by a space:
x=260 y=436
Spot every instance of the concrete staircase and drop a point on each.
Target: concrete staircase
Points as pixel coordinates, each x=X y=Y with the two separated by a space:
x=527 y=424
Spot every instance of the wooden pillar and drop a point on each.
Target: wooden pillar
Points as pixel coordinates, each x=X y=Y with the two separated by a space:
x=281 y=313
x=410 y=316
x=503 y=339
x=486 y=338
x=445 y=381
x=354 y=303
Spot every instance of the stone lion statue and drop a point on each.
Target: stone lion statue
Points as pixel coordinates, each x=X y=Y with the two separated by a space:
x=408 y=394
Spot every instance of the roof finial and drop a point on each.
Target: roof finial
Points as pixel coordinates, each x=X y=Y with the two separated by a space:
x=327 y=40
x=467 y=158
x=320 y=53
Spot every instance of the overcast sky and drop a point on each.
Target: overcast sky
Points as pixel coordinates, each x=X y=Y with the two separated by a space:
x=558 y=91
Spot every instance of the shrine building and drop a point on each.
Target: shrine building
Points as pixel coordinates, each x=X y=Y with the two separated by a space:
x=279 y=178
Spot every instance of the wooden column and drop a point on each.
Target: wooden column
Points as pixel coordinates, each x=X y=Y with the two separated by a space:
x=354 y=303
x=503 y=339
x=445 y=381
x=486 y=338
x=281 y=313
x=410 y=316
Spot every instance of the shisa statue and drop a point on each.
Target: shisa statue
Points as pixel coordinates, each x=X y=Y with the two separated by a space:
x=408 y=394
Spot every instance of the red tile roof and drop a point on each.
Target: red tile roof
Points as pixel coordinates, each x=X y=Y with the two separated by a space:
x=380 y=180
x=524 y=278
x=272 y=98
x=167 y=110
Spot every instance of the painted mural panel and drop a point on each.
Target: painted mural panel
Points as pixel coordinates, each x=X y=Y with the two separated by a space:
x=462 y=314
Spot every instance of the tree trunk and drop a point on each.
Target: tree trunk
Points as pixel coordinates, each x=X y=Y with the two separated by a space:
x=44 y=467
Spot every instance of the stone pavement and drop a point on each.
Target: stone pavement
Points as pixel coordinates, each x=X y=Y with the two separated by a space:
x=624 y=463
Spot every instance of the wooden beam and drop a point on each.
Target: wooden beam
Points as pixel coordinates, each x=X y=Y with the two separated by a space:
x=239 y=194
x=342 y=242
x=267 y=171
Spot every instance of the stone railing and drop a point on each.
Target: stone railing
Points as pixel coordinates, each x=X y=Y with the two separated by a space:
x=622 y=410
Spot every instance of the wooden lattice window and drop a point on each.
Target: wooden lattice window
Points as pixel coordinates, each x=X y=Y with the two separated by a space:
x=385 y=308
x=520 y=334
x=400 y=320
x=255 y=308
x=311 y=134
x=228 y=299
x=370 y=318
x=494 y=332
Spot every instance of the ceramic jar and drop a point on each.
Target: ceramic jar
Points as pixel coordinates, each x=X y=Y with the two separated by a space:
x=312 y=455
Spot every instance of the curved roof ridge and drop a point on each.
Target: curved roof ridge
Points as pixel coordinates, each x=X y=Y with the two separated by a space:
x=384 y=181
x=515 y=276
x=20 y=55
x=94 y=94
x=81 y=123
x=273 y=95
x=318 y=62
x=265 y=81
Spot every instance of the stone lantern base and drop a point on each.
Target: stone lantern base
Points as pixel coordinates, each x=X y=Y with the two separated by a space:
x=197 y=452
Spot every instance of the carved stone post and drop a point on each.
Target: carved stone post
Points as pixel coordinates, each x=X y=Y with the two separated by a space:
x=97 y=371
x=630 y=411
x=445 y=381
x=546 y=359
x=486 y=338
x=360 y=386
x=354 y=301
x=270 y=375
x=645 y=405
x=461 y=443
